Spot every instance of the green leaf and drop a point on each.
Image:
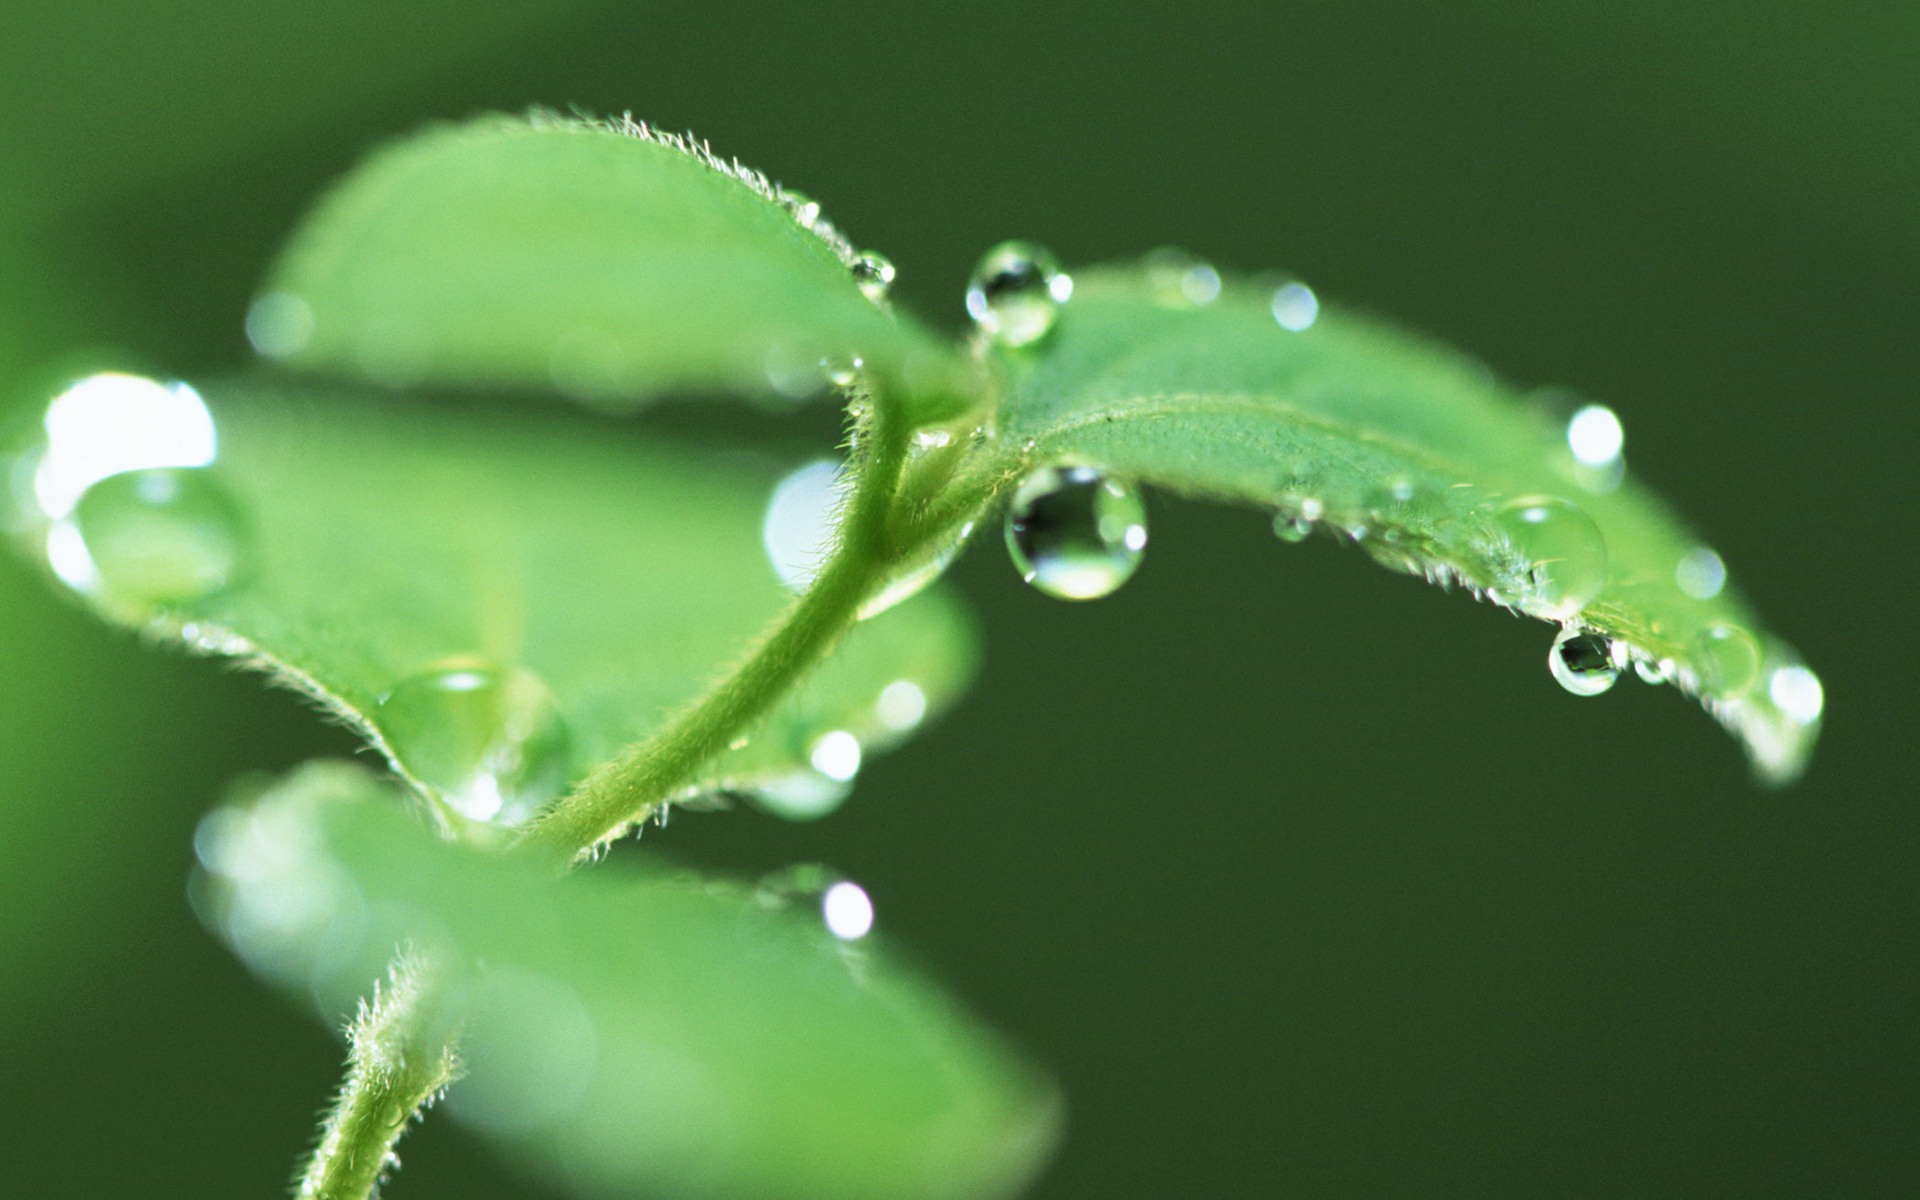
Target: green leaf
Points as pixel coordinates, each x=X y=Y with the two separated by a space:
x=1413 y=451
x=609 y=261
x=498 y=598
x=632 y=1029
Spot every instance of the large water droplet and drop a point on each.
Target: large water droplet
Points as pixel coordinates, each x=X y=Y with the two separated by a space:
x=1016 y=292
x=1564 y=556
x=874 y=275
x=1583 y=663
x=1727 y=658
x=1074 y=533
x=488 y=741
x=151 y=537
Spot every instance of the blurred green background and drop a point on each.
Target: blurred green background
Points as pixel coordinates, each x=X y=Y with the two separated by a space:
x=1306 y=880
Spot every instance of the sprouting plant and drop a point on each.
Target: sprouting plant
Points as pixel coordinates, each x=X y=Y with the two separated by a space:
x=556 y=627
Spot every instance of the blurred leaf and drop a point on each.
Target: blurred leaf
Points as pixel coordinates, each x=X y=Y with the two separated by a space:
x=609 y=261
x=499 y=599
x=1409 y=449
x=633 y=1029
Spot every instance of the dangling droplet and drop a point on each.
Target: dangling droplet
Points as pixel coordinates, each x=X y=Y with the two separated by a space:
x=488 y=741
x=152 y=537
x=1583 y=663
x=1291 y=528
x=1016 y=292
x=1074 y=533
x=1654 y=672
x=1564 y=556
x=1727 y=658
x=874 y=274
x=800 y=206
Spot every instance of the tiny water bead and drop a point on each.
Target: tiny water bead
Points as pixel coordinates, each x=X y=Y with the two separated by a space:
x=487 y=740
x=1074 y=533
x=802 y=207
x=152 y=537
x=1595 y=436
x=1583 y=663
x=1796 y=691
x=1179 y=280
x=1291 y=528
x=1701 y=573
x=1295 y=307
x=1564 y=556
x=1016 y=292
x=873 y=273
x=1727 y=658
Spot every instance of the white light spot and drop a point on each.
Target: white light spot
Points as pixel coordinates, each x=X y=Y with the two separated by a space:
x=1296 y=307
x=848 y=911
x=279 y=325
x=1200 y=284
x=108 y=424
x=837 y=756
x=903 y=705
x=1796 y=692
x=70 y=560
x=802 y=519
x=1701 y=573
x=1135 y=538
x=1060 y=287
x=1595 y=436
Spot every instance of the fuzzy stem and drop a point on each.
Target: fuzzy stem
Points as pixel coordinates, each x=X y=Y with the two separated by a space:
x=634 y=785
x=396 y=1066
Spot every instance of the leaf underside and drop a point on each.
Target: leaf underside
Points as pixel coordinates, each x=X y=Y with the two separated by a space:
x=1407 y=448
x=632 y=1028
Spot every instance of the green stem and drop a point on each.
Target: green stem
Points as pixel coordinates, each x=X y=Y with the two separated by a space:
x=396 y=1065
x=632 y=786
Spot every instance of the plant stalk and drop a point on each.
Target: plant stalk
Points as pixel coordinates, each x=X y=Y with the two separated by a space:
x=398 y=1063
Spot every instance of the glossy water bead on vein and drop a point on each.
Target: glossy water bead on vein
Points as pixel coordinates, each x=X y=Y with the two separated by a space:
x=1016 y=292
x=1074 y=533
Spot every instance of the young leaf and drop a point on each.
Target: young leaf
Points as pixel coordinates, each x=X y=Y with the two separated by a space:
x=608 y=260
x=632 y=1030
x=499 y=599
x=1259 y=396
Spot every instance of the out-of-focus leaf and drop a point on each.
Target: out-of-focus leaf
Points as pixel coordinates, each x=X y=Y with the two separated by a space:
x=609 y=261
x=499 y=599
x=1418 y=454
x=633 y=1029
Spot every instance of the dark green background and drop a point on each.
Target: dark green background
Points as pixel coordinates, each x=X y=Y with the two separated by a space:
x=1306 y=880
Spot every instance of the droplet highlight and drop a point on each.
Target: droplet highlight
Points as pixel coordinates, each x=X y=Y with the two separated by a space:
x=1583 y=663
x=1595 y=436
x=1796 y=692
x=487 y=741
x=1074 y=533
x=873 y=273
x=836 y=755
x=1701 y=573
x=1564 y=556
x=847 y=910
x=802 y=521
x=1016 y=292
x=1295 y=307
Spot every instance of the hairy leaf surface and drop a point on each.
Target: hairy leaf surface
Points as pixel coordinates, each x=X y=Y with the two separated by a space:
x=633 y=1029
x=381 y=546
x=1409 y=449
x=608 y=261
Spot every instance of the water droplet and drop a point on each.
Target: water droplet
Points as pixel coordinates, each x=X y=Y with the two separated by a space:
x=836 y=755
x=1564 y=556
x=847 y=910
x=110 y=423
x=1727 y=658
x=1074 y=533
x=1796 y=691
x=1595 y=436
x=279 y=325
x=487 y=741
x=874 y=274
x=802 y=207
x=803 y=518
x=1654 y=672
x=1701 y=573
x=1295 y=307
x=844 y=373
x=151 y=537
x=1583 y=663
x=1290 y=528
x=1178 y=279
x=1016 y=293
x=902 y=705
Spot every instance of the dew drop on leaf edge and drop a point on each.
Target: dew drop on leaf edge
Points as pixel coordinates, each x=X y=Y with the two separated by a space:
x=1727 y=658
x=151 y=538
x=873 y=273
x=488 y=740
x=1074 y=533
x=1563 y=556
x=1583 y=663
x=1016 y=292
